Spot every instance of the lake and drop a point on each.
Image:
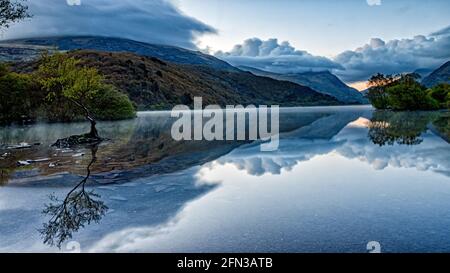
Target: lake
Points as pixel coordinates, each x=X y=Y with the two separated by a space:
x=341 y=178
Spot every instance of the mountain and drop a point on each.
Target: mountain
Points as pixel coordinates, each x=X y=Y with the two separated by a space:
x=155 y=84
x=423 y=72
x=440 y=75
x=323 y=82
x=26 y=49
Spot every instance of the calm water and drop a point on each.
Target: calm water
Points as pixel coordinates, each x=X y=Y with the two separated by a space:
x=342 y=176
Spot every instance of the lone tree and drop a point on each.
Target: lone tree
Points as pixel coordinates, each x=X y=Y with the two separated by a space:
x=12 y=11
x=63 y=76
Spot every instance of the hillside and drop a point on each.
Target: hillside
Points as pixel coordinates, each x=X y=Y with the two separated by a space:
x=323 y=82
x=155 y=84
x=31 y=47
x=440 y=75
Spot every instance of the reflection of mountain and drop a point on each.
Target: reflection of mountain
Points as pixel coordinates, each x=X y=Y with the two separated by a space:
x=139 y=147
x=337 y=133
x=150 y=206
x=144 y=147
x=298 y=145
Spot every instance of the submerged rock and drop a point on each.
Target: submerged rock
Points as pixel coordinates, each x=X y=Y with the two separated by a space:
x=77 y=140
x=29 y=161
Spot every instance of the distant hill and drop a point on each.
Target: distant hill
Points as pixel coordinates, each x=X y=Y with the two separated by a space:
x=423 y=72
x=323 y=82
x=26 y=49
x=440 y=75
x=155 y=84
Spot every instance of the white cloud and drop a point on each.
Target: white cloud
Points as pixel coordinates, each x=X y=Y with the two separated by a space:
x=276 y=57
x=73 y=2
x=156 y=21
x=391 y=57
x=374 y=2
x=395 y=56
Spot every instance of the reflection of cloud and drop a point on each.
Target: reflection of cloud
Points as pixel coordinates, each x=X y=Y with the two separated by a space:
x=156 y=21
x=374 y=2
x=290 y=152
x=73 y=2
x=350 y=142
x=431 y=154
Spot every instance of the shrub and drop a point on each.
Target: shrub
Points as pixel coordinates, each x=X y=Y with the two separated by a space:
x=18 y=100
x=111 y=104
x=441 y=94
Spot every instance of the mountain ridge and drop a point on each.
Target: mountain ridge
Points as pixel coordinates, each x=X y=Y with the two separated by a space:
x=324 y=82
x=440 y=75
x=154 y=84
x=114 y=44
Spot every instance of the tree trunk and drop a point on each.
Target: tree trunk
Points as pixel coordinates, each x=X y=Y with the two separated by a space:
x=93 y=133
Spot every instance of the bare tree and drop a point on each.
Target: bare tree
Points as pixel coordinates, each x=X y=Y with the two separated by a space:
x=12 y=11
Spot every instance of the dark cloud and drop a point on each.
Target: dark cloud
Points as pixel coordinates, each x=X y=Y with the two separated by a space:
x=275 y=57
x=395 y=56
x=155 y=21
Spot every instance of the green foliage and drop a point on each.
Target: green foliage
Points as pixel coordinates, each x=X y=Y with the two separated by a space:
x=61 y=75
x=60 y=90
x=441 y=94
x=402 y=92
x=377 y=94
x=18 y=99
x=111 y=104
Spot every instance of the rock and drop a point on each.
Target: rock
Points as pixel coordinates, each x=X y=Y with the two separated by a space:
x=23 y=163
x=76 y=140
x=38 y=160
x=22 y=145
x=78 y=155
x=53 y=164
x=30 y=161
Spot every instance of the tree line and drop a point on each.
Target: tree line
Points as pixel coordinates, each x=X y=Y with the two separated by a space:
x=61 y=89
x=404 y=92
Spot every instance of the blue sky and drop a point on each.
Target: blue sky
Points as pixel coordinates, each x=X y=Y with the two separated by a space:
x=322 y=27
x=351 y=38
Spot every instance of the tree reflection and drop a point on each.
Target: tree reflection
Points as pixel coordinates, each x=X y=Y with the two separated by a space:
x=442 y=126
x=79 y=208
x=388 y=127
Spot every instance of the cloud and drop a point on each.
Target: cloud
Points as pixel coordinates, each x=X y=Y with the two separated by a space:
x=156 y=21
x=275 y=57
x=73 y=2
x=374 y=2
x=395 y=56
x=391 y=57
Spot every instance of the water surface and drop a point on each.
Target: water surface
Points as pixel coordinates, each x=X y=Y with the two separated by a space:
x=342 y=176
